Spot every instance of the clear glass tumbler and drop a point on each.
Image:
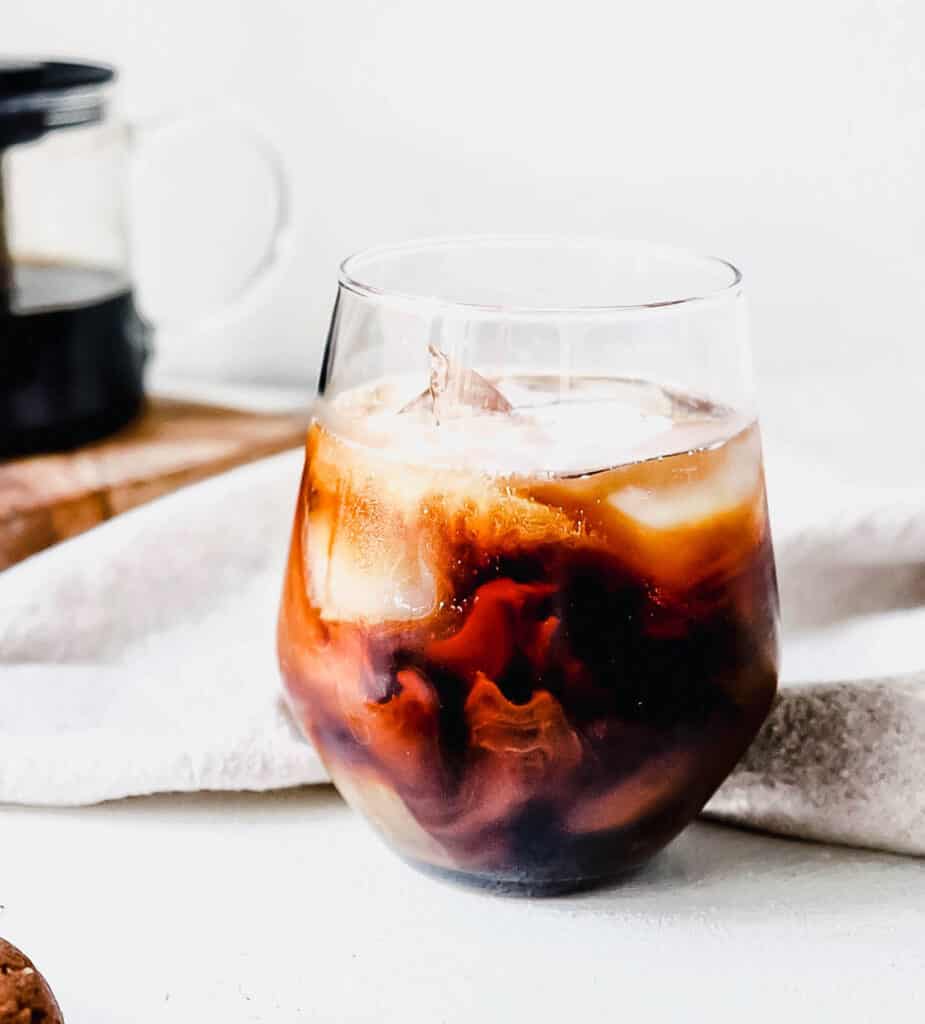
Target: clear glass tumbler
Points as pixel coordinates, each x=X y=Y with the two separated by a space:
x=529 y=619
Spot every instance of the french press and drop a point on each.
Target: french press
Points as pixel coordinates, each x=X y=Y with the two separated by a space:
x=72 y=341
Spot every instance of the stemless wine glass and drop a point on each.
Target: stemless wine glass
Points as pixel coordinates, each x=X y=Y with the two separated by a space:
x=530 y=614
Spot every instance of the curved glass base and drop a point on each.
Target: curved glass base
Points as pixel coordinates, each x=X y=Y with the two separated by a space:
x=522 y=887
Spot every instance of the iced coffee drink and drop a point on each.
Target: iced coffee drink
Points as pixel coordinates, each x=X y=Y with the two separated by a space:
x=529 y=619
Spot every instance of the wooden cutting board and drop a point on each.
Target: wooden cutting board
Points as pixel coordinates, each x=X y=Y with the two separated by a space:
x=48 y=498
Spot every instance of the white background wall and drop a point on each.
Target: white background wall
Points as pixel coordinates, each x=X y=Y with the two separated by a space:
x=788 y=136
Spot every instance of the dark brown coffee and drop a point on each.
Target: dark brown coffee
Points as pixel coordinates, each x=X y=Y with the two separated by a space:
x=72 y=349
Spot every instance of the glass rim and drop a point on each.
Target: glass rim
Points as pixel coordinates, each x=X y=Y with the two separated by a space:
x=349 y=279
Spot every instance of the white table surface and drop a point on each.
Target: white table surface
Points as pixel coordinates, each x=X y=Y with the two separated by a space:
x=284 y=907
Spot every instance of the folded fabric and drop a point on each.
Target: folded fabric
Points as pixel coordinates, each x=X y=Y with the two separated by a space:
x=139 y=657
x=839 y=762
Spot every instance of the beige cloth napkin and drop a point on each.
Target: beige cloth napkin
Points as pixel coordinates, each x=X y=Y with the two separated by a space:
x=139 y=657
x=842 y=756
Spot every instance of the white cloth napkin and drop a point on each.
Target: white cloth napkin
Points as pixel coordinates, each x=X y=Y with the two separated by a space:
x=139 y=657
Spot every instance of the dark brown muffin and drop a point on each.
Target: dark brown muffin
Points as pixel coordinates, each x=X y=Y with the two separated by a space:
x=25 y=997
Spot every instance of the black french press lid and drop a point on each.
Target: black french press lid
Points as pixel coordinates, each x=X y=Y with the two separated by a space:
x=38 y=96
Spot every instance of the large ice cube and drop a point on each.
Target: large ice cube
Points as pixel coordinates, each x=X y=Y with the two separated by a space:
x=366 y=567
x=686 y=518
x=456 y=390
x=703 y=485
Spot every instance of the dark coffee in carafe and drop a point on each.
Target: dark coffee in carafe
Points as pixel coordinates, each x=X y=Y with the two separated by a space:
x=72 y=351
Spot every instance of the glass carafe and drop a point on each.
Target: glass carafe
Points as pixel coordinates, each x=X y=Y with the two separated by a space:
x=72 y=342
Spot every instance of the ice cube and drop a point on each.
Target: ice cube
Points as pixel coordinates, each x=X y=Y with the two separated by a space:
x=707 y=484
x=455 y=390
x=363 y=567
x=686 y=518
